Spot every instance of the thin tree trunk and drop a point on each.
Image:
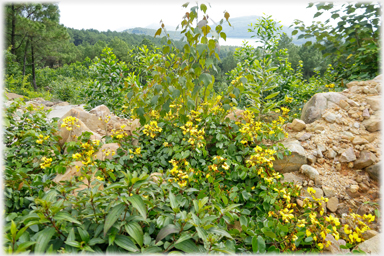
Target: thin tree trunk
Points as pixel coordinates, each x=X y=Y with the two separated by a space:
x=33 y=68
x=13 y=50
x=25 y=56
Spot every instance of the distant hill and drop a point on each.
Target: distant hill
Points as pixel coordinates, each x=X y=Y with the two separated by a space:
x=239 y=29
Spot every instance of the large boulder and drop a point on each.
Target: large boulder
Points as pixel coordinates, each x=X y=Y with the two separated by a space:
x=107 y=151
x=316 y=106
x=371 y=246
x=90 y=120
x=374 y=102
x=373 y=123
x=292 y=162
x=374 y=171
x=12 y=96
x=366 y=159
x=67 y=136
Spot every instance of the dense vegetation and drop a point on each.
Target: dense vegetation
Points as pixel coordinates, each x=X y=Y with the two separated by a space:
x=217 y=191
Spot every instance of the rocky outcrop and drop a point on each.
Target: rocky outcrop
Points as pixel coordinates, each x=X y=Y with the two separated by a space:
x=371 y=246
x=340 y=137
x=294 y=161
x=316 y=106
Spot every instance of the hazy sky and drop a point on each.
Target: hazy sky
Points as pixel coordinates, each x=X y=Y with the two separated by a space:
x=118 y=15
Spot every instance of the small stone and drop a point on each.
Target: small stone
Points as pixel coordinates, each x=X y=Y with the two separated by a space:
x=356 y=125
x=332 y=204
x=321 y=147
x=366 y=114
x=304 y=136
x=344 y=105
x=291 y=177
x=374 y=171
x=366 y=159
x=348 y=156
x=350 y=165
x=328 y=191
x=369 y=234
x=320 y=160
x=331 y=153
x=311 y=159
x=299 y=202
x=311 y=183
x=305 y=183
x=354 y=188
x=309 y=171
x=297 y=125
x=353 y=103
x=363 y=188
x=359 y=141
x=338 y=167
x=329 y=117
x=318 y=181
x=372 y=124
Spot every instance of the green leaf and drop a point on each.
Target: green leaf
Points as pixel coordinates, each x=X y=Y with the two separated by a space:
x=188 y=246
x=125 y=243
x=23 y=246
x=43 y=239
x=220 y=232
x=184 y=236
x=308 y=43
x=202 y=233
x=138 y=203
x=258 y=244
x=185 y=5
x=154 y=100
x=73 y=244
x=158 y=32
x=65 y=216
x=165 y=231
x=135 y=231
x=224 y=36
x=317 y=14
x=112 y=216
x=203 y=7
x=172 y=198
x=272 y=95
x=294 y=32
x=83 y=234
x=97 y=240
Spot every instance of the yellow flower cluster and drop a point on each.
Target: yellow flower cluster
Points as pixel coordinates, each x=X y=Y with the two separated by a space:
x=46 y=162
x=119 y=134
x=196 y=136
x=88 y=150
x=194 y=116
x=137 y=152
x=154 y=114
x=330 y=85
x=106 y=119
x=250 y=128
x=180 y=176
x=288 y=99
x=357 y=227
x=237 y=80
x=70 y=122
x=41 y=139
x=151 y=129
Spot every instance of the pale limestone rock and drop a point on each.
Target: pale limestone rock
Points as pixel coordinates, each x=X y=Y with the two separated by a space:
x=297 y=125
x=348 y=156
x=316 y=106
x=371 y=246
x=106 y=151
x=292 y=162
x=334 y=248
x=332 y=204
x=366 y=159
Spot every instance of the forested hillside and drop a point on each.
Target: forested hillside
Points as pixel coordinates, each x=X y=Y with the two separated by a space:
x=185 y=146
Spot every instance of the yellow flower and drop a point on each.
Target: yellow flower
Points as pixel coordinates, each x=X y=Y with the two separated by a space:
x=225 y=166
x=320 y=245
x=208 y=175
x=253 y=187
